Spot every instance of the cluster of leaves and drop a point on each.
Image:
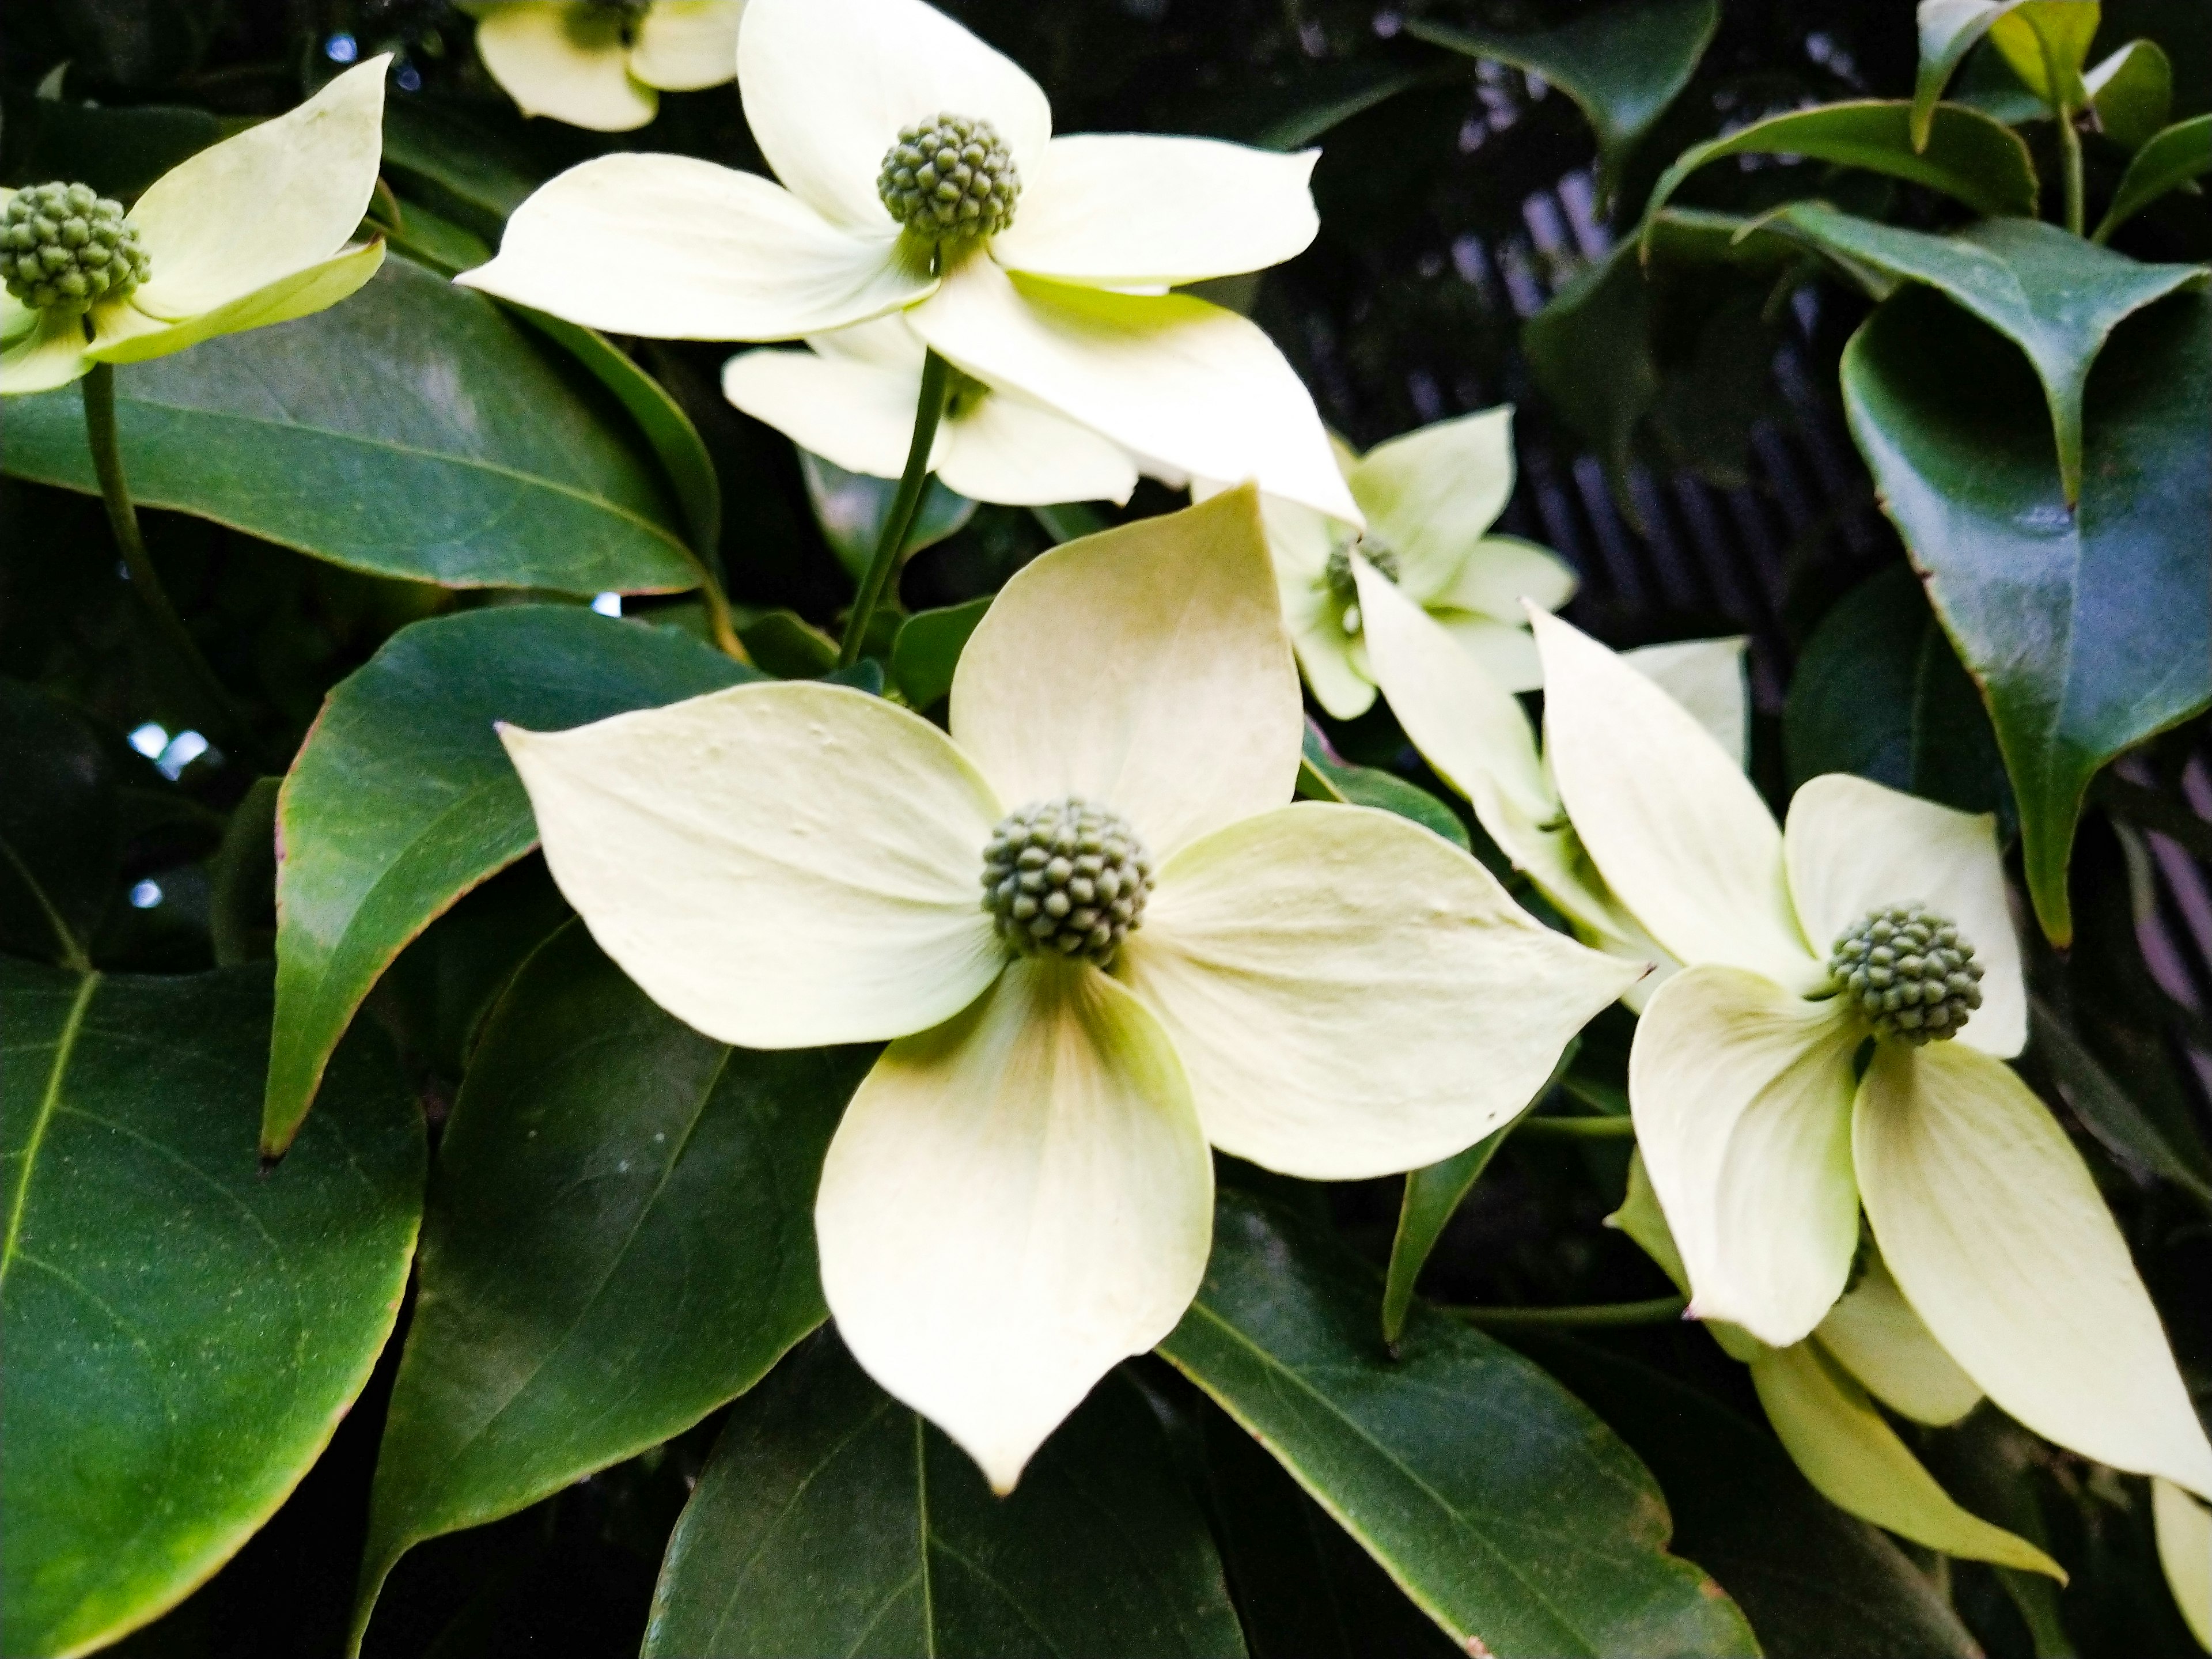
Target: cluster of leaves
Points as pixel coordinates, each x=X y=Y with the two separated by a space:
x=518 y=1343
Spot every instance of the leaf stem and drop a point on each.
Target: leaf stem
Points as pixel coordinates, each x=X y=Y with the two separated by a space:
x=1580 y=1128
x=2070 y=153
x=928 y=410
x=1656 y=1311
x=719 y=622
x=97 y=390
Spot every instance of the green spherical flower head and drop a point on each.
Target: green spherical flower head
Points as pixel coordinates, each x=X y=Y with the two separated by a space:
x=1908 y=971
x=65 y=247
x=1336 y=576
x=950 y=176
x=1064 y=877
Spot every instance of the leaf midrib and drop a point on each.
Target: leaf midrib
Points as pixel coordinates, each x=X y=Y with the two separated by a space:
x=65 y=1046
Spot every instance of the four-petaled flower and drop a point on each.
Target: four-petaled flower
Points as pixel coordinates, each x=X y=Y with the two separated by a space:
x=920 y=174
x=597 y=64
x=1872 y=920
x=1100 y=937
x=249 y=232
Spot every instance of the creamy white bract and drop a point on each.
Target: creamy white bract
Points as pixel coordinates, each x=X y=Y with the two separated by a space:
x=1762 y=1138
x=1020 y=1194
x=1062 y=307
x=249 y=232
x=602 y=65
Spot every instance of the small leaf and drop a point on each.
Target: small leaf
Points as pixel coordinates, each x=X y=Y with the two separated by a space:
x=1499 y=1504
x=2055 y=297
x=1323 y=777
x=2034 y=36
x=831 y=1519
x=1967 y=155
x=851 y=508
x=415 y=431
x=785 y=644
x=2167 y=161
x=2087 y=630
x=402 y=799
x=2132 y=92
x=2109 y=1112
x=183 y=1332
x=928 y=650
x=1622 y=64
x=620 y=1238
x=1431 y=1198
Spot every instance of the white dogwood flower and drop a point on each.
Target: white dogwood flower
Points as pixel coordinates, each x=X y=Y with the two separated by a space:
x=1871 y=921
x=603 y=64
x=249 y=232
x=920 y=174
x=1099 y=936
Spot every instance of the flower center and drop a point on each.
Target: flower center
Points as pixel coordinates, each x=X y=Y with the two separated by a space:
x=1907 y=970
x=963 y=393
x=1336 y=576
x=950 y=176
x=1065 y=878
x=64 y=247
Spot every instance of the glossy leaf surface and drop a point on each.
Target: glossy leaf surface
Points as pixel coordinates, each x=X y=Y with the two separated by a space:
x=927 y=649
x=2087 y=630
x=183 y=1332
x=620 y=1237
x=831 y=1519
x=1325 y=776
x=2167 y=160
x=415 y=431
x=402 y=798
x=1490 y=1495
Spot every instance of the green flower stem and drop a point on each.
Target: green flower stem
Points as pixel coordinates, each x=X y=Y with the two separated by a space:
x=1580 y=1128
x=1659 y=1311
x=2069 y=152
x=928 y=410
x=99 y=393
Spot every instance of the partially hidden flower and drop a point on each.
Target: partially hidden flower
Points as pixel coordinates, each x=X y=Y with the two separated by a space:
x=1429 y=498
x=920 y=174
x=603 y=64
x=1819 y=1395
x=1099 y=936
x=1473 y=731
x=2184 y=1528
x=1872 y=921
x=850 y=397
x=249 y=232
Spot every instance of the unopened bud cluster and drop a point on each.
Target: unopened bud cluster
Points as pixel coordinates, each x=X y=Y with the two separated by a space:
x=1908 y=971
x=1336 y=575
x=64 y=247
x=950 y=176
x=1065 y=878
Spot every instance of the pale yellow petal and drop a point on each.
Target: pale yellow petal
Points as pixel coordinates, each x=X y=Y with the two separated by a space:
x=843 y=408
x=779 y=866
x=1855 y=845
x=1432 y=494
x=1504 y=651
x=2000 y=1242
x=681 y=46
x=1130 y=210
x=49 y=354
x=272 y=200
x=1145 y=669
x=1015 y=1202
x=1855 y=1460
x=1875 y=1335
x=1351 y=994
x=1005 y=448
x=1167 y=377
x=679 y=249
x=1679 y=833
x=1741 y=1095
x=128 y=336
x=565 y=58
x=2184 y=1551
x=1706 y=677
x=1494 y=576
x=827 y=85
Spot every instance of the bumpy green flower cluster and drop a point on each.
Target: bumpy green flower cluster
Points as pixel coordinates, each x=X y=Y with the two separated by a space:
x=950 y=176
x=1337 y=576
x=1065 y=878
x=64 y=247
x=1908 y=971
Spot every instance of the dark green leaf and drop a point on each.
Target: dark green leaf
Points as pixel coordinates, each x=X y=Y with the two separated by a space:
x=1492 y=1497
x=2054 y=295
x=1293 y=115
x=1431 y=1198
x=242 y=902
x=1949 y=29
x=118 y=151
x=2167 y=161
x=851 y=508
x=471 y=175
x=1590 y=350
x=1816 y=1583
x=1324 y=776
x=2110 y=1113
x=183 y=1332
x=402 y=798
x=2087 y=630
x=928 y=649
x=620 y=1238
x=61 y=838
x=1880 y=692
x=2133 y=93
x=1623 y=64
x=833 y=1519
x=415 y=430
x=1980 y=161
x=785 y=644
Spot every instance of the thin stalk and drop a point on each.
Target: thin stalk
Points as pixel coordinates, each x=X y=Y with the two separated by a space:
x=718 y=619
x=97 y=389
x=1657 y=1311
x=928 y=410
x=2070 y=153
x=1580 y=1128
